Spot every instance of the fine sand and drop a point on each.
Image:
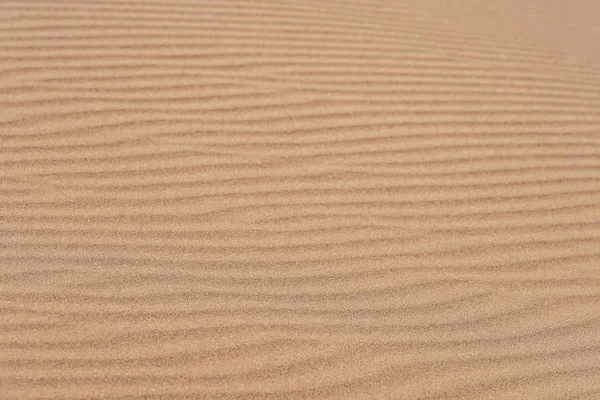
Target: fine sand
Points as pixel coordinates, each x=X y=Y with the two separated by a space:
x=299 y=199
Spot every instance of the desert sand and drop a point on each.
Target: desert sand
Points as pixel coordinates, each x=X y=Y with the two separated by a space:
x=289 y=199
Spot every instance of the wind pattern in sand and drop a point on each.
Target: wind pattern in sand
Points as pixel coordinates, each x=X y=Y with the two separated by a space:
x=285 y=199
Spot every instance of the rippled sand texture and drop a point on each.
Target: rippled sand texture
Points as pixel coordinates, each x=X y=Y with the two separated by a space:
x=365 y=199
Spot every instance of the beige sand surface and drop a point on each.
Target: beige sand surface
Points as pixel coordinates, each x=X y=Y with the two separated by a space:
x=299 y=199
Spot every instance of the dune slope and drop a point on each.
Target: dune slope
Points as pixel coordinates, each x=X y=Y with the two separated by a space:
x=299 y=199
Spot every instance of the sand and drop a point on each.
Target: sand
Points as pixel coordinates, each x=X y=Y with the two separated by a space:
x=286 y=199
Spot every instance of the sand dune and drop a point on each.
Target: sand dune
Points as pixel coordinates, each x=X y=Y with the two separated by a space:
x=299 y=199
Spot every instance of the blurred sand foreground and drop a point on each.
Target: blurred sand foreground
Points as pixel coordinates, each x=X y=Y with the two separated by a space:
x=291 y=199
